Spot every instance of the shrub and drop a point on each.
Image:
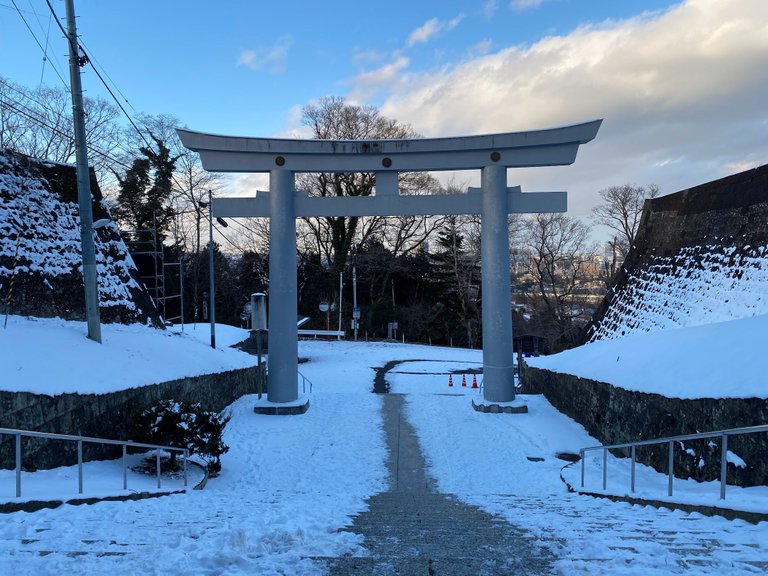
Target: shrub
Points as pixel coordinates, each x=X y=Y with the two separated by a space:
x=185 y=425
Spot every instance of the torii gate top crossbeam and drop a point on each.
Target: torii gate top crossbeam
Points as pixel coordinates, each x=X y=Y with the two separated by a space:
x=550 y=147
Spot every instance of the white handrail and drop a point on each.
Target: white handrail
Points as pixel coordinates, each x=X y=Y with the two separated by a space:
x=80 y=440
x=670 y=440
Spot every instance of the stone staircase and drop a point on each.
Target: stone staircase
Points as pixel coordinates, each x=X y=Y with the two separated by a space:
x=410 y=530
x=435 y=534
x=415 y=530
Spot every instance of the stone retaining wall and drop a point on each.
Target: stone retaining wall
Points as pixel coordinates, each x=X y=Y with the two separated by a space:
x=103 y=415
x=614 y=415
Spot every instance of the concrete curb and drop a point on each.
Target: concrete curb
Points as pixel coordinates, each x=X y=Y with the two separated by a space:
x=36 y=505
x=727 y=513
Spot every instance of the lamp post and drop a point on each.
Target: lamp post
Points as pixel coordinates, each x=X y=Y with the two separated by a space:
x=211 y=287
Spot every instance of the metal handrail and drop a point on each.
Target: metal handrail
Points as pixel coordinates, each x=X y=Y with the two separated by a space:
x=670 y=440
x=80 y=440
x=304 y=381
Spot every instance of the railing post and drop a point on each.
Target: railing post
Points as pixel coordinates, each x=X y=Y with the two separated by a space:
x=186 y=455
x=605 y=468
x=125 y=468
x=671 y=466
x=723 y=466
x=79 y=466
x=632 y=473
x=18 y=465
x=157 y=460
x=581 y=452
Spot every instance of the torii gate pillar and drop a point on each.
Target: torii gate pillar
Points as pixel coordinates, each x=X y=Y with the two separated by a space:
x=283 y=338
x=498 y=369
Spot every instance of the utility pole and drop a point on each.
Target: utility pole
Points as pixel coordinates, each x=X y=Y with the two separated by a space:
x=341 y=299
x=212 y=306
x=83 y=182
x=355 y=311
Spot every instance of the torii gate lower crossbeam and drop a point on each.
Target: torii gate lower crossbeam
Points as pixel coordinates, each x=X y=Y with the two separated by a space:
x=492 y=154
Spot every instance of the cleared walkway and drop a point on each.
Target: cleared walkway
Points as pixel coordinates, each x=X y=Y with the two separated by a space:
x=414 y=530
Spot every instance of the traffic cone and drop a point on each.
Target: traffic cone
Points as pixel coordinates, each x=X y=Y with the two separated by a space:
x=450 y=381
x=464 y=380
x=474 y=381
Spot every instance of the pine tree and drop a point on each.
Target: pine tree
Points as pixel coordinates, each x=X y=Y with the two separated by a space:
x=145 y=191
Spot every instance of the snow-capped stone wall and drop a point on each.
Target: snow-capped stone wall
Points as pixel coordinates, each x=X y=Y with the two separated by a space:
x=700 y=256
x=40 y=255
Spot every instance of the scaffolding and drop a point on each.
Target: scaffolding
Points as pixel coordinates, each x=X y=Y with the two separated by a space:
x=148 y=253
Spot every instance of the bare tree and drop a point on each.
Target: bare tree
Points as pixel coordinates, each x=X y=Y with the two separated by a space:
x=620 y=211
x=560 y=262
x=335 y=237
x=39 y=123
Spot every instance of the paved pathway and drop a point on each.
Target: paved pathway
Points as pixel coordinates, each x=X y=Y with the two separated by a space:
x=414 y=530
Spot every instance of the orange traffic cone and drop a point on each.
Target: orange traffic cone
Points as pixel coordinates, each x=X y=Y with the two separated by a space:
x=474 y=381
x=450 y=380
x=464 y=380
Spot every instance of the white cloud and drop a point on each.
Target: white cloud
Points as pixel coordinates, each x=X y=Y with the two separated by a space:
x=432 y=28
x=489 y=8
x=521 y=5
x=273 y=57
x=384 y=78
x=687 y=84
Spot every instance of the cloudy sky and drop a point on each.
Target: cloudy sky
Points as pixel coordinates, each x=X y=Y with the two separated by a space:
x=682 y=86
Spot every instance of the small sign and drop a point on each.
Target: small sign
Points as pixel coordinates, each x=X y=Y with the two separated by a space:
x=356 y=313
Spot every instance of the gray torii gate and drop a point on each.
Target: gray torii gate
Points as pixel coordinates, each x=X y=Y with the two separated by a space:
x=492 y=154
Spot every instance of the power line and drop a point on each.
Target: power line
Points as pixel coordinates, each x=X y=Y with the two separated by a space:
x=77 y=47
x=38 y=42
x=236 y=247
x=94 y=59
x=28 y=113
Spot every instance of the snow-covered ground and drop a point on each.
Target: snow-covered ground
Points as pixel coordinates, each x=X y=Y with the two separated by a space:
x=723 y=360
x=53 y=356
x=483 y=459
x=290 y=484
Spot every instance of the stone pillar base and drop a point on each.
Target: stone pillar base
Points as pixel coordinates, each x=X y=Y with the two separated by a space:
x=268 y=408
x=500 y=407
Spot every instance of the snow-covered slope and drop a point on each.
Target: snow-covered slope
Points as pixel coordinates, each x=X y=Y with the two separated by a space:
x=722 y=360
x=698 y=285
x=700 y=257
x=40 y=255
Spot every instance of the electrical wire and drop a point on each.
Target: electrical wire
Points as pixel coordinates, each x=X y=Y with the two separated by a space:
x=117 y=88
x=38 y=42
x=86 y=59
x=30 y=115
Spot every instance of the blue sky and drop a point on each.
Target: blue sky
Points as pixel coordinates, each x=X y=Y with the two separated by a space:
x=681 y=85
x=244 y=67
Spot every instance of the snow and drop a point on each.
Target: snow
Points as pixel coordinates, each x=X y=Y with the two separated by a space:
x=290 y=485
x=100 y=478
x=698 y=285
x=40 y=235
x=721 y=360
x=53 y=356
x=652 y=485
x=226 y=335
x=483 y=460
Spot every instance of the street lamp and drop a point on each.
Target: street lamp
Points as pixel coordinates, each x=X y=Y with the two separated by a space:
x=212 y=305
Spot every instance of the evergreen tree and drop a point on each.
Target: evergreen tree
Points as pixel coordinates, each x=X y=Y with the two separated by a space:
x=455 y=286
x=145 y=191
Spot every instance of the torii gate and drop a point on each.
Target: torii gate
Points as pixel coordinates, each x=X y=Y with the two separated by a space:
x=492 y=154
